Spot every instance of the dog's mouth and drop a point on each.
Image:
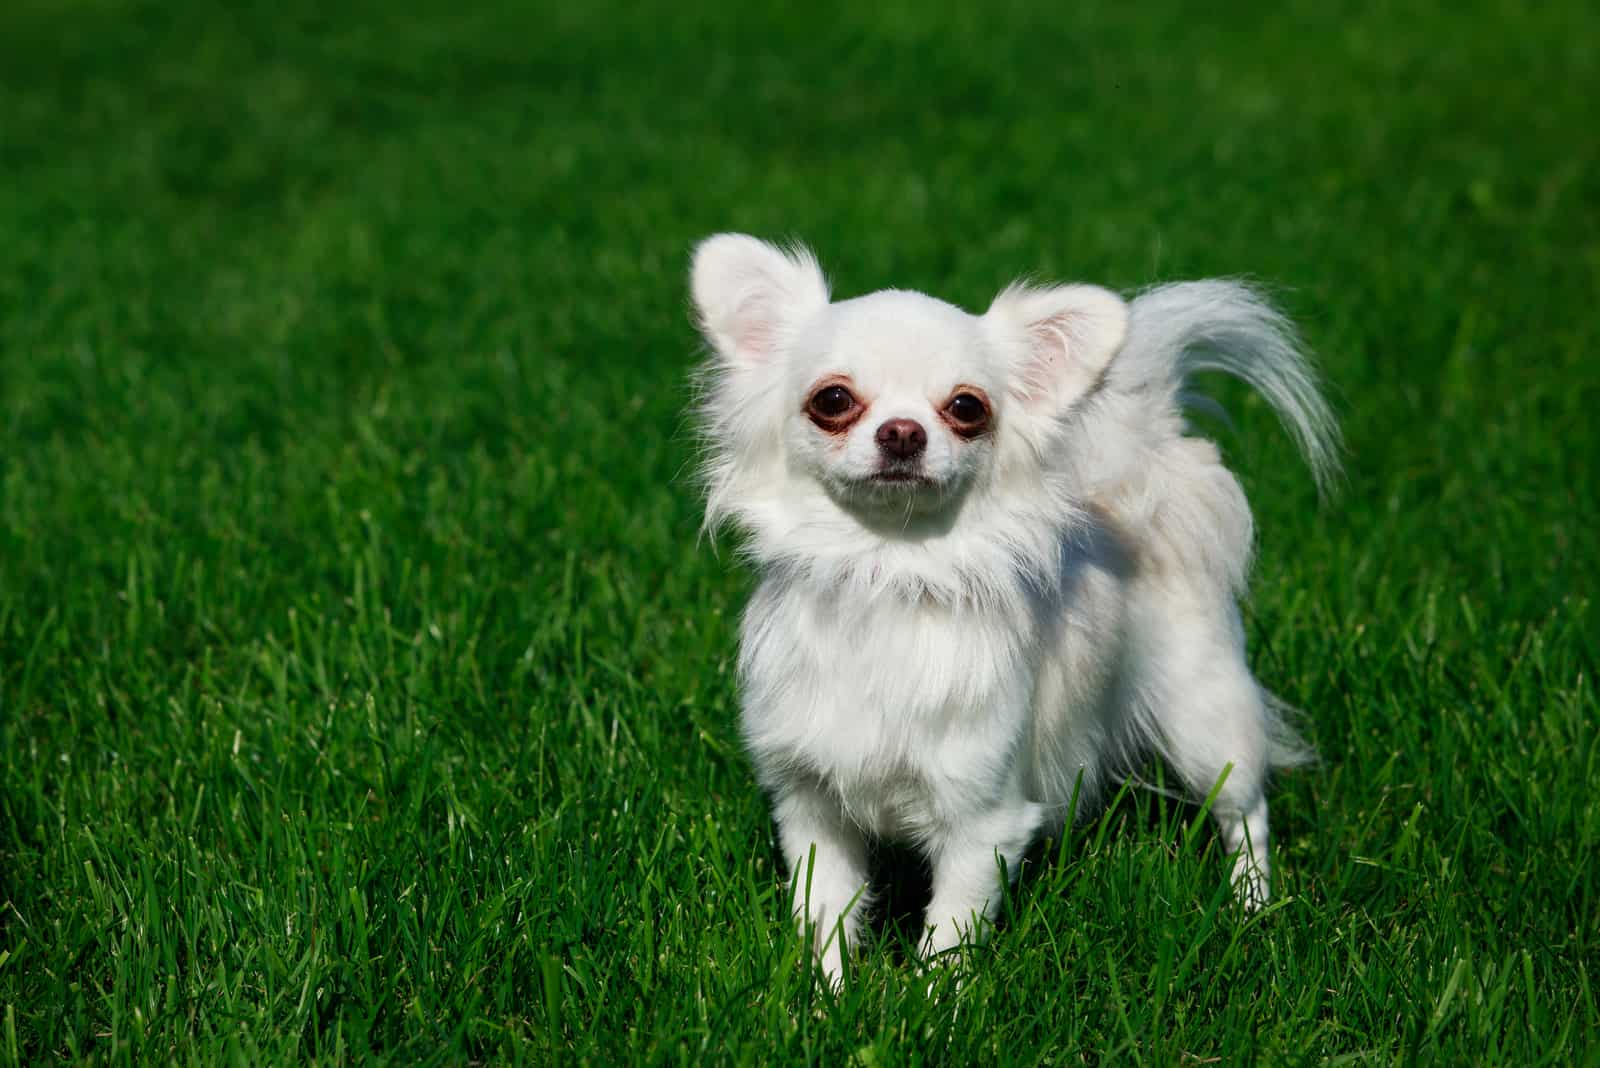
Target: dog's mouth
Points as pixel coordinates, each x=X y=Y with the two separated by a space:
x=899 y=477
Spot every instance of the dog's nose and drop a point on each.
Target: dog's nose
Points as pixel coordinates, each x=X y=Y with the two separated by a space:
x=903 y=439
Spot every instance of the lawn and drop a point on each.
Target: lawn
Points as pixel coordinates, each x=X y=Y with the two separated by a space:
x=366 y=688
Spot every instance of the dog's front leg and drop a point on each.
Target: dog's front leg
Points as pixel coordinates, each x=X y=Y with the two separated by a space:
x=966 y=858
x=827 y=858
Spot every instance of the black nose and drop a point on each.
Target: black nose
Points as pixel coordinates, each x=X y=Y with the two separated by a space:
x=903 y=439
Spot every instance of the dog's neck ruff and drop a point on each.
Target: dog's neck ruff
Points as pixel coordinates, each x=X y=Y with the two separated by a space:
x=1004 y=560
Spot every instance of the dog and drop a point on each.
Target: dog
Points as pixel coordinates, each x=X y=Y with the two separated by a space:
x=995 y=567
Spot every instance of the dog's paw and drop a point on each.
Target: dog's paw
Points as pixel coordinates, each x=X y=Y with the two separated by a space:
x=1252 y=886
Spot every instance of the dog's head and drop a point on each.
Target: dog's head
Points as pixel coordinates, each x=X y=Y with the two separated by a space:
x=896 y=407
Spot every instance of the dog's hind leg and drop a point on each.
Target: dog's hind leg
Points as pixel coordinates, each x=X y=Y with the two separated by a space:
x=1211 y=723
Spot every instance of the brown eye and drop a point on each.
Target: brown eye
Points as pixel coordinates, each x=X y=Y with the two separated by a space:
x=968 y=413
x=831 y=404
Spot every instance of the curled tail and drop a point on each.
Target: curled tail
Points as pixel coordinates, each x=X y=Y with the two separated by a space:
x=1179 y=330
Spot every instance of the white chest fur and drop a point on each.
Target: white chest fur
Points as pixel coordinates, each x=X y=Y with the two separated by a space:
x=909 y=713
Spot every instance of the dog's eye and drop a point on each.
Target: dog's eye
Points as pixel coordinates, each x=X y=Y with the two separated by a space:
x=831 y=404
x=967 y=412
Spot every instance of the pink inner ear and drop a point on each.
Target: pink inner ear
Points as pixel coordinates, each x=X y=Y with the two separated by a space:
x=755 y=339
x=754 y=326
x=1047 y=370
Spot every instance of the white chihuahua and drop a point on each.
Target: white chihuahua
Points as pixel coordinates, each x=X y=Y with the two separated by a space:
x=994 y=567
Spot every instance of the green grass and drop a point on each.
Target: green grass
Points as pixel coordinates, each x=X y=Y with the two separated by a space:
x=365 y=692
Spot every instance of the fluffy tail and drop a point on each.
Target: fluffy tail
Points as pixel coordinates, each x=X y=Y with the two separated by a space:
x=1179 y=330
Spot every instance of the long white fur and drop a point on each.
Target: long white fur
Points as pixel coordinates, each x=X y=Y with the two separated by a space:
x=951 y=664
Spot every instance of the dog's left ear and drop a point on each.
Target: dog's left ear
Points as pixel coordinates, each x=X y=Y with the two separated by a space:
x=750 y=295
x=1065 y=337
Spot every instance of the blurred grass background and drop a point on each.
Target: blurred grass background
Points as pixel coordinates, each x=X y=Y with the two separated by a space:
x=365 y=693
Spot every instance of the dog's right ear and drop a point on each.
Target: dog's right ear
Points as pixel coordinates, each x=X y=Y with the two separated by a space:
x=1067 y=334
x=750 y=295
